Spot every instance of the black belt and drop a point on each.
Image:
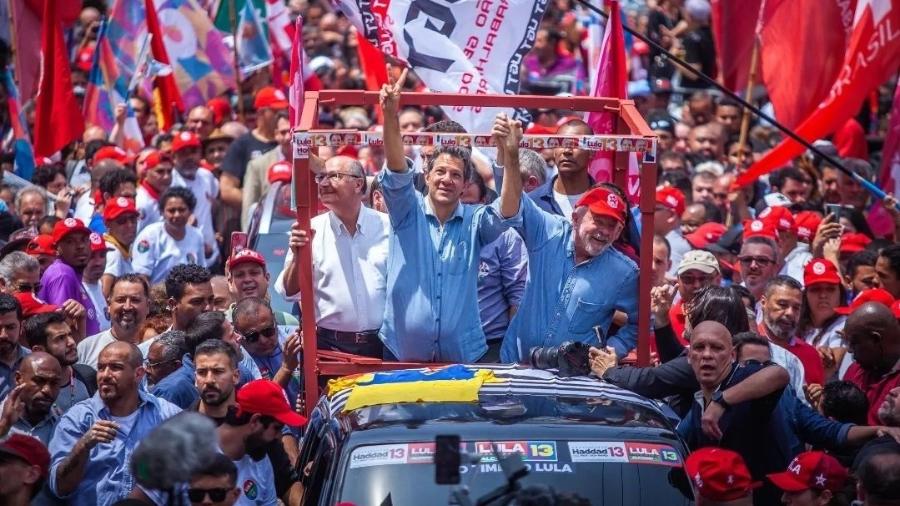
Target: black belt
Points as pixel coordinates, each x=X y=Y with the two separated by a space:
x=347 y=337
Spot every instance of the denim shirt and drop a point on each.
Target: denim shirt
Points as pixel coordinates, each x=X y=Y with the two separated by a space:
x=107 y=473
x=431 y=313
x=178 y=387
x=564 y=301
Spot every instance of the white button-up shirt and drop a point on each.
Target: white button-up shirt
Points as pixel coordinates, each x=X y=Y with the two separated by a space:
x=349 y=272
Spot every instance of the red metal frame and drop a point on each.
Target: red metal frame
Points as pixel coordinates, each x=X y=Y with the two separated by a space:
x=629 y=122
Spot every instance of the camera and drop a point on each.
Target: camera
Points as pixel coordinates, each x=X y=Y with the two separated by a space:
x=570 y=358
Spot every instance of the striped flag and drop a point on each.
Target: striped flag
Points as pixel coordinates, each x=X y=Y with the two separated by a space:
x=24 y=154
x=254 y=52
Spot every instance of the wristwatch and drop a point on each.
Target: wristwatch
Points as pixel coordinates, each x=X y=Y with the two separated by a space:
x=719 y=398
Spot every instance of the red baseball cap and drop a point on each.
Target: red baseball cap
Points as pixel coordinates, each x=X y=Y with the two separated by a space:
x=879 y=295
x=719 y=474
x=245 y=255
x=760 y=228
x=41 y=245
x=97 y=243
x=265 y=397
x=112 y=153
x=671 y=198
x=185 y=140
x=118 y=206
x=854 y=242
x=280 y=171
x=152 y=160
x=537 y=129
x=808 y=470
x=807 y=224
x=821 y=271
x=28 y=448
x=270 y=97
x=66 y=227
x=780 y=218
x=220 y=108
x=896 y=308
x=32 y=305
x=605 y=203
x=706 y=234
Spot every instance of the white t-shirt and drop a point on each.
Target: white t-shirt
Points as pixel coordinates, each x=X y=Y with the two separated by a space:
x=830 y=337
x=256 y=480
x=95 y=292
x=566 y=202
x=84 y=207
x=155 y=252
x=206 y=190
x=89 y=349
x=125 y=422
x=116 y=264
x=147 y=206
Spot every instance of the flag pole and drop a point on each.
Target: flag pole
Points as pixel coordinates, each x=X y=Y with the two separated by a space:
x=751 y=82
x=232 y=17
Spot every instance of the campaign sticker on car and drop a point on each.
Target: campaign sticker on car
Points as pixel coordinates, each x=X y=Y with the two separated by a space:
x=649 y=453
x=531 y=451
x=379 y=455
x=597 y=451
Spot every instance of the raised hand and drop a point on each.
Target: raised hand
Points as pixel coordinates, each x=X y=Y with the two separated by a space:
x=389 y=98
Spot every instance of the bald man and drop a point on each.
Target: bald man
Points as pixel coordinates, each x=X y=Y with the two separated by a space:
x=743 y=425
x=37 y=386
x=872 y=333
x=95 y=437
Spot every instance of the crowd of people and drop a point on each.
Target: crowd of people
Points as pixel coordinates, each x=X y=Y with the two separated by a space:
x=775 y=308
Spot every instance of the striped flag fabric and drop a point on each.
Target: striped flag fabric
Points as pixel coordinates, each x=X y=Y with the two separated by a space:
x=24 y=154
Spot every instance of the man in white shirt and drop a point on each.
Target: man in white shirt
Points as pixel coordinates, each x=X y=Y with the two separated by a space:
x=90 y=278
x=157 y=179
x=349 y=251
x=129 y=305
x=186 y=149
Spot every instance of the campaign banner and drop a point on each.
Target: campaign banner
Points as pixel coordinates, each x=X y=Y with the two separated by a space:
x=464 y=46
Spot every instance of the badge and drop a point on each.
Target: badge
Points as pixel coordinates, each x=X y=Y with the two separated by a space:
x=143 y=246
x=250 y=489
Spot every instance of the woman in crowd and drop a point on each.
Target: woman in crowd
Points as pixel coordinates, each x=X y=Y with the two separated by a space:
x=819 y=319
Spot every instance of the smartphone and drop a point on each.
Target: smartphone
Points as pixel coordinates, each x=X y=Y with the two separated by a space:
x=837 y=210
x=238 y=241
x=446 y=460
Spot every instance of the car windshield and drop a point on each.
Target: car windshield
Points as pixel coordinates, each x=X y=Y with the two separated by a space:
x=626 y=473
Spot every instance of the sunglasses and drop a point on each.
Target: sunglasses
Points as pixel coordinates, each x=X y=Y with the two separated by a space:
x=760 y=261
x=215 y=494
x=252 y=337
x=25 y=288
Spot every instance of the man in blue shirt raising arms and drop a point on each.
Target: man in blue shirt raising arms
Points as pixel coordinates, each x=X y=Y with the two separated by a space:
x=431 y=312
x=578 y=280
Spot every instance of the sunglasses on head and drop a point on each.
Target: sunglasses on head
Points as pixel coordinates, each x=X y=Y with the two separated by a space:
x=215 y=494
x=252 y=337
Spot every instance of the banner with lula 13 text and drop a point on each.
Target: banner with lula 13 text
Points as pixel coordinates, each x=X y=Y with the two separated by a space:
x=455 y=46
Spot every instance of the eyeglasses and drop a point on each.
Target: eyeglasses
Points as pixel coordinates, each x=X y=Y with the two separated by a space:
x=25 y=287
x=153 y=365
x=252 y=337
x=692 y=280
x=760 y=261
x=215 y=494
x=333 y=177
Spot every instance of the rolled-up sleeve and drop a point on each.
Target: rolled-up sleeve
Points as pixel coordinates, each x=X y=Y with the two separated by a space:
x=67 y=433
x=533 y=224
x=399 y=194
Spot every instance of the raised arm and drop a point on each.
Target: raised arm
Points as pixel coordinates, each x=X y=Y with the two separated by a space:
x=507 y=133
x=390 y=105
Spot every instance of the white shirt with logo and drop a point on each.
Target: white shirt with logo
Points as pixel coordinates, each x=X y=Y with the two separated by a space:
x=256 y=480
x=155 y=252
x=206 y=190
x=148 y=208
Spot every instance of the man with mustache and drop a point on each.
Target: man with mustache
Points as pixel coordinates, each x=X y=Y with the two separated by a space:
x=93 y=441
x=51 y=333
x=11 y=352
x=781 y=304
x=128 y=306
x=567 y=258
x=29 y=407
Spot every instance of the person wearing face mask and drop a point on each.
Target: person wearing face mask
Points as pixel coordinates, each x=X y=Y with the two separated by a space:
x=571 y=254
x=186 y=151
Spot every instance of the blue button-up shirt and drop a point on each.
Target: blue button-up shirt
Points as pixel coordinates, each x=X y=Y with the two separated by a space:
x=8 y=372
x=178 y=387
x=502 y=275
x=107 y=474
x=431 y=313
x=565 y=301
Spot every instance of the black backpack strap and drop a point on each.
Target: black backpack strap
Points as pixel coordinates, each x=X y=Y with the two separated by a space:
x=87 y=375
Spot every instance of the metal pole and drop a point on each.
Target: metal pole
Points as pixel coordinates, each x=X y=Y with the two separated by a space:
x=232 y=17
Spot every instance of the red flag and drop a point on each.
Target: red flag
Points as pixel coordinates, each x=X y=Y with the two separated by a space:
x=58 y=119
x=734 y=30
x=612 y=81
x=295 y=95
x=374 y=68
x=872 y=56
x=890 y=156
x=784 y=45
x=166 y=96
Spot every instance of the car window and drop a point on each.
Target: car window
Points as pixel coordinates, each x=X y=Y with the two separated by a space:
x=626 y=473
x=320 y=471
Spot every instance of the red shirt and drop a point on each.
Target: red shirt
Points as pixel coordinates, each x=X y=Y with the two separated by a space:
x=678 y=320
x=813 y=370
x=875 y=388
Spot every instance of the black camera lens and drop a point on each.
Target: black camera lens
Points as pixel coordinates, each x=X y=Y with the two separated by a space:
x=544 y=358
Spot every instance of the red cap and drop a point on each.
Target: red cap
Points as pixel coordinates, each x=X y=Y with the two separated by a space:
x=152 y=160
x=808 y=470
x=265 y=397
x=706 y=234
x=270 y=97
x=66 y=227
x=853 y=242
x=780 y=218
x=807 y=224
x=672 y=198
x=820 y=271
x=280 y=171
x=112 y=153
x=118 y=206
x=32 y=305
x=895 y=307
x=185 y=140
x=719 y=474
x=41 y=245
x=97 y=243
x=760 y=228
x=30 y=449
x=605 y=203
x=220 y=108
x=85 y=58
x=537 y=129
x=245 y=255
x=879 y=295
